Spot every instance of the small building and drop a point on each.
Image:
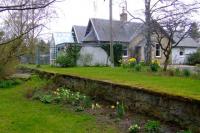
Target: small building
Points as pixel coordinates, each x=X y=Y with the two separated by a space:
x=181 y=52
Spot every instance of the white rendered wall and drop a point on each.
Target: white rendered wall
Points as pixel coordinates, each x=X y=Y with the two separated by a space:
x=181 y=59
x=97 y=56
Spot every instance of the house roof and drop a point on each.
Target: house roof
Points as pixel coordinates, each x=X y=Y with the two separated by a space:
x=62 y=37
x=187 y=42
x=79 y=32
x=122 y=31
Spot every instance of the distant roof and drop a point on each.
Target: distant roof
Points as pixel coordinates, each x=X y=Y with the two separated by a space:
x=79 y=32
x=63 y=37
x=122 y=31
x=187 y=42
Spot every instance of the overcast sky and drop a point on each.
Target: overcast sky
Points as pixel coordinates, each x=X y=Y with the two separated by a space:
x=78 y=12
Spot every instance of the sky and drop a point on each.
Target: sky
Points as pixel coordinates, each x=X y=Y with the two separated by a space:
x=78 y=12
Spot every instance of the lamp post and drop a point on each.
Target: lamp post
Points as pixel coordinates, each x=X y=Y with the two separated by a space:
x=111 y=36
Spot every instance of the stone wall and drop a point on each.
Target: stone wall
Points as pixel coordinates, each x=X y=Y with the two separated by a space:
x=174 y=109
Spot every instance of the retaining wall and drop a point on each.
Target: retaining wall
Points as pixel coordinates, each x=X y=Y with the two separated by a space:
x=176 y=109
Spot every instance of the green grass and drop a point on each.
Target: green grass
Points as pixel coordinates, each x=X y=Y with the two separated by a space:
x=20 y=115
x=179 y=86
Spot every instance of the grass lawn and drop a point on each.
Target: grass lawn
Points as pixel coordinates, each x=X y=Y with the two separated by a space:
x=181 y=86
x=20 y=115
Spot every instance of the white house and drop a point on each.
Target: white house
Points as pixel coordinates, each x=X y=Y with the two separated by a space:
x=186 y=47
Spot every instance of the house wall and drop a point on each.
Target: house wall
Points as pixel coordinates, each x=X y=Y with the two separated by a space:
x=181 y=59
x=91 y=56
x=137 y=40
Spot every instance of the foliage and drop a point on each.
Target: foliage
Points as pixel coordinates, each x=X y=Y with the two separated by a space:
x=69 y=57
x=152 y=126
x=9 y=83
x=47 y=98
x=134 y=128
x=194 y=58
x=186 y=72
x=138 y=67
x=154 y=66
x=120 y=109
x=117 y=50
x=63 y=95
x=132 y=62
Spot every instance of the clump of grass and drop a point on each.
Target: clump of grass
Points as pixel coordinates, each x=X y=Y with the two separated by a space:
x=9 y=83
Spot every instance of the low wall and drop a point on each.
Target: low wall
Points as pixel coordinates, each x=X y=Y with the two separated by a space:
x=180 y=110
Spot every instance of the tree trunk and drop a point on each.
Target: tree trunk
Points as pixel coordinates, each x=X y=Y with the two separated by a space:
x=147 y=49
x=166 y=62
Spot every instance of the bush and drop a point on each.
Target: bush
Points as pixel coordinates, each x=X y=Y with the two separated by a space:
x=117 y=50
x=152 y=126
x=64 y=60
x=194 y=58
x=154 y=66
x=69 y=57
x=186 y=72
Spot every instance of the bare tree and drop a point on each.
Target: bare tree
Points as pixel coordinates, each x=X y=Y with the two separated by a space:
x=152 y=12
x=171 y=26
x=24 y=15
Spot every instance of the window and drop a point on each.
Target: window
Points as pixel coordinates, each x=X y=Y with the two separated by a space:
x=181 y=52
x=125 y=51
x=158 y=50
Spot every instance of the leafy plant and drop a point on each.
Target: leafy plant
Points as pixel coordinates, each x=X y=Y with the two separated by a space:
x=194 y=58
x=120 y=109
x=69 y=57
x=9 y=83
x=47 y=98
x=152 y=126
x=134 y=128
x=154 y=66
x=138 y=67
x=186 y=72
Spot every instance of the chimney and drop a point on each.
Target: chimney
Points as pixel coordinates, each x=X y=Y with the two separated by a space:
x=123 y=15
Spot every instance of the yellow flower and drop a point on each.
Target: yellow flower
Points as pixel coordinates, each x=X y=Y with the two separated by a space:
x=132 y=60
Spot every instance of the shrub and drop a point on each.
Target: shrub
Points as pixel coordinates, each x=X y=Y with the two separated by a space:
x=154 y=66
x=120 y=109
x=152 y=126
x=194 y=58
x=117 y=50
x=69 y=57
x=186 y=72
x=134 y=128
x=177 y=72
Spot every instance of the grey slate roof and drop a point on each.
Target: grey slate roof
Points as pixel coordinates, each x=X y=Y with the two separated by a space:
x=79 y=32
x=122 y=31
x=187 y=42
